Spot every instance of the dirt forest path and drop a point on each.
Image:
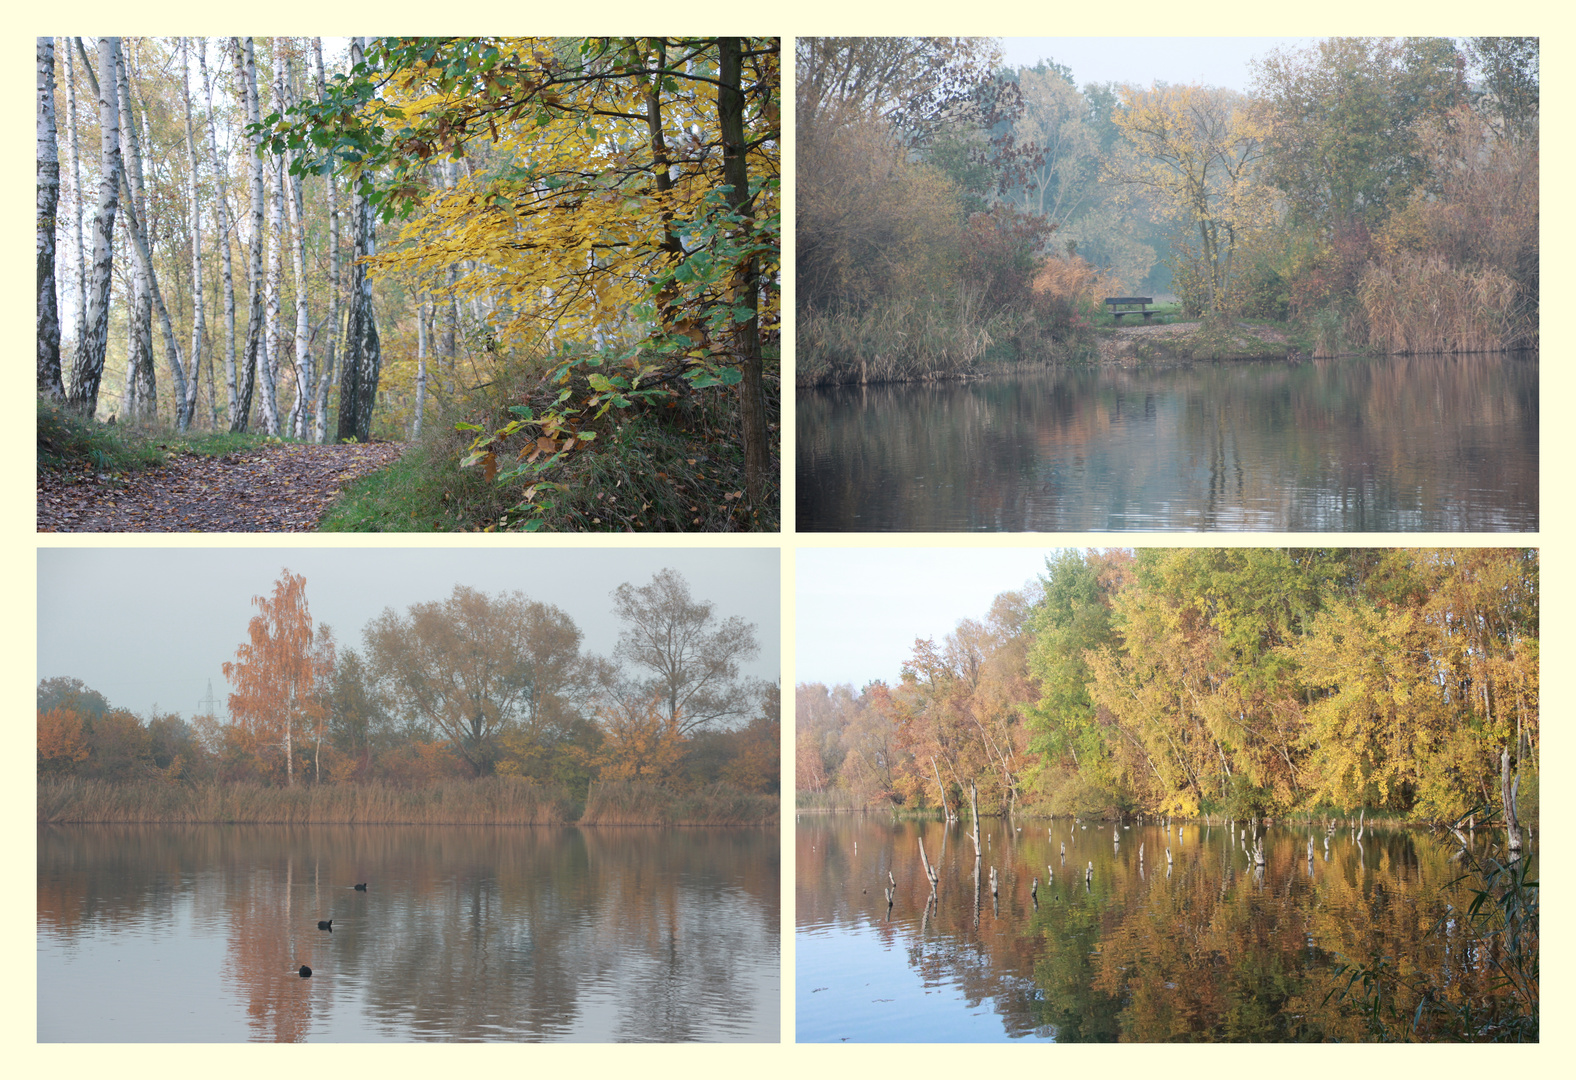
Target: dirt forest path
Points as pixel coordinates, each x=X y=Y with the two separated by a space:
x=284 y=488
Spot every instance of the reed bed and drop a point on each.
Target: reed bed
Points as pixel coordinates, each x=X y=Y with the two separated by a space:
x=630 y=802
x=490 y=801
x=1425 y=305
x=897 y=341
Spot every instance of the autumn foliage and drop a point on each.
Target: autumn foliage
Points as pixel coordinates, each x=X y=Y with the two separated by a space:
x=477 y=689
x=1237 y=682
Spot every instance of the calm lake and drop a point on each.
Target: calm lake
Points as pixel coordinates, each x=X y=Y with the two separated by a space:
x=1422 y=443
x=196 y=934
x=1208 y=951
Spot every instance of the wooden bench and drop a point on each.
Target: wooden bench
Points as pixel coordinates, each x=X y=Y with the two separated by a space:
x=1115 y=302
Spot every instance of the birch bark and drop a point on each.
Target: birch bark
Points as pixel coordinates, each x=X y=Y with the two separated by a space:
x=326 y=379
x=222 y=222
x=246 y=71
x=49 y=381
x=88 y=369
x=199 y=324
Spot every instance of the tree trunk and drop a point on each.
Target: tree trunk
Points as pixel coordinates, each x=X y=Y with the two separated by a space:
x=246 y=71
x=49 y=381
x=421 y=363
x=745 y=285
x=222 y=220
x=276 y=274
x=1507 y=794
x=80 y=292
x=325 y=380
x=88 y=369
x=199 y=325
x=358 y=386
x=300 y=411
x=141 y=395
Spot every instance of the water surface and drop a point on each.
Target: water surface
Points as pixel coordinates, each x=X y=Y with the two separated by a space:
x=196 y=934
x=1429 y=443
x=1208 y=949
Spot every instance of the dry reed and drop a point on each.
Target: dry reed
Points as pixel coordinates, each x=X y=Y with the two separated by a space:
x=490 y=801
x=1425 y=305
x=630 y=802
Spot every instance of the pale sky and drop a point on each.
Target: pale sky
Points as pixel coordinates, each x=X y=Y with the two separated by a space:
x=1211 y=61
x=146 y=625
x=857 y=611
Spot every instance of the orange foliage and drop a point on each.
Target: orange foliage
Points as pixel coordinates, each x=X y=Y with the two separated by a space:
x=61 y=741
x=640 y=744
x=275 y=673
x=758 y=766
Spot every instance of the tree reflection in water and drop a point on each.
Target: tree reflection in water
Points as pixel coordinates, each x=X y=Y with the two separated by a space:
x=1208 y=948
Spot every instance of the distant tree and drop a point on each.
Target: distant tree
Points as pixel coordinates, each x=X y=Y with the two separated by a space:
x=1507 y=73
x=62 y=741
x=474 y=667
x=1341 y=122
x=1196 y=151
x=691 y=658
x=277 y=671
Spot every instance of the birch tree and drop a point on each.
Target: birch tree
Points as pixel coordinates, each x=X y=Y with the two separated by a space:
x=199 y=323
x=222 y=223
x=48 y=201
x=277 y=671
x=140 y=399
x=325 y=378
x=88 y=368
x=358 y=385
x=246 y=73
x=79 y=258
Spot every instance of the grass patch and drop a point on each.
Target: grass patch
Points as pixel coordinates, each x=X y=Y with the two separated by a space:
x=489 y=801
x=674 y=467
x=71 y=442
x=630 y=802
x=1164 y=313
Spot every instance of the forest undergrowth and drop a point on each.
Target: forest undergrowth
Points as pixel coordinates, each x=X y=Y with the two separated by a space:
x=671 y=467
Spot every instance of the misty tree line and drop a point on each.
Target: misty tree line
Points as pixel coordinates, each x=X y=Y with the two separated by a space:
x=1358 y=185
x=1237 y=682
x=473 y=685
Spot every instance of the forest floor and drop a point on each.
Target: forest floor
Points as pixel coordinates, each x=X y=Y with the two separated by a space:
x=274 y=488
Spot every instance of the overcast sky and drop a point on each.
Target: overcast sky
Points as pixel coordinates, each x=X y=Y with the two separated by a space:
x=146 y=625
x=1141 y=60
x=857 y=611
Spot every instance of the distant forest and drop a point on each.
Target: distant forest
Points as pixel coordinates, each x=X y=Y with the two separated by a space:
x=1232 y=682
x=471 y=687
x=1381 y=192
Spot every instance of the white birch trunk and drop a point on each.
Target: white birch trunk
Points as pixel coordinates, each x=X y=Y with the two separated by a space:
x=326 y=379
x=276 y=274
x=421 y=364
x=73 y=153
x=246 y=71
x=49 y=381
x=222 y=221
x=199 y=324
x=140 y=400
x=300 y=410
x=88 y=369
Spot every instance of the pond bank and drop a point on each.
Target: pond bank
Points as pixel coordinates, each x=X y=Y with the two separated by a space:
x=496 y=800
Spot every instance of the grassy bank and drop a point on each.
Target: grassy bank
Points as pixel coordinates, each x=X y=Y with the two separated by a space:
x=70 y=442
x=628 y=802
x=493 y=801
x=671 y=467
